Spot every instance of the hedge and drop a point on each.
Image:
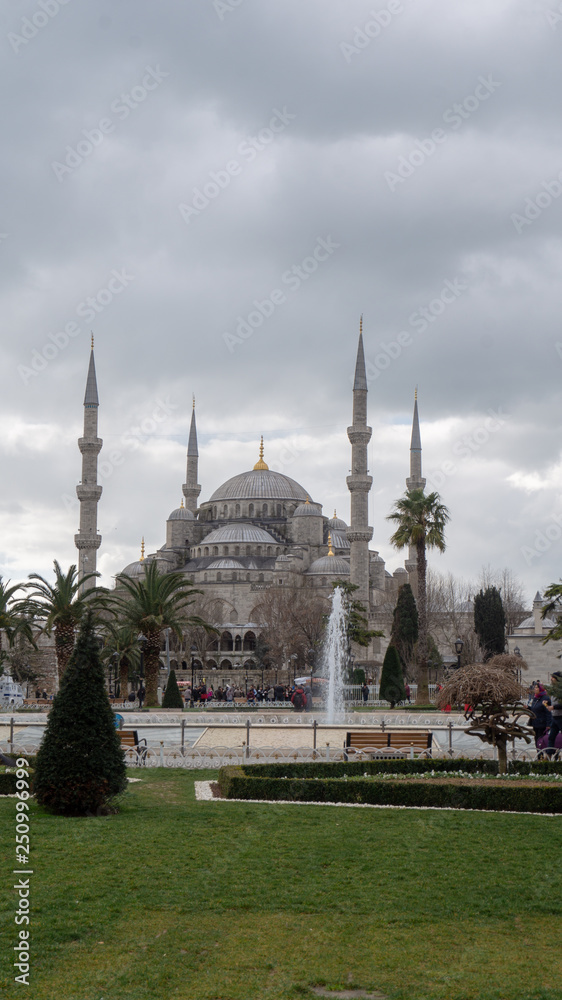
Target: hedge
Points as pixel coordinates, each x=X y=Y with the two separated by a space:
x=236 y=783
x=337 y=769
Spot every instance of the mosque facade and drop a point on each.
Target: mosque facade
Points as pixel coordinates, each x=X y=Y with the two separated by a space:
x=258 y=530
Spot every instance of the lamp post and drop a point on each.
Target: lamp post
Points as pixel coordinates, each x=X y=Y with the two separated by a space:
x=458 y=650
x=142 y=645
x=517 y=652
x=294 y=659
x=193 y=651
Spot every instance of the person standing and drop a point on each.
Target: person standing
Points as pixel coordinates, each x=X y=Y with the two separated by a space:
x=554 y=702
x=365 y=692
x=542 y=717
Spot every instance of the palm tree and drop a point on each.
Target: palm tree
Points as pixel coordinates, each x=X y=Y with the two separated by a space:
x=421 y=523
x=122 y=643
x=62 y=605
x=15 y=616
x=151 y=604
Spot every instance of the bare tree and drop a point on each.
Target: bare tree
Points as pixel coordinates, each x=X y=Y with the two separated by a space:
x=512 y=594
x=210 y=609
x=292 y=621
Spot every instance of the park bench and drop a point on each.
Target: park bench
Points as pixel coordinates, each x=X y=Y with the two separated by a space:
x=382 y=743
x=130 y=741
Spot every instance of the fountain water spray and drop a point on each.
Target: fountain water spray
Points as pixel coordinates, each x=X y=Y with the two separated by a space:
x=335 y=656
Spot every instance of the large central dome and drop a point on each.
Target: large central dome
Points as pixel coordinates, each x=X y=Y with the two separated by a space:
x=260 y=484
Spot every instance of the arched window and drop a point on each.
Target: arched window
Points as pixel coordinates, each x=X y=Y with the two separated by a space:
x=206 y=550
x=237 y=514
x=234 y=575
x=264 y=510
x=225 y=550
x=269 y=550
x=204 y=578
x=225 y=511
x=214 y=513
x=226 y=665
x=237 y=644
x=251 y=510
x=236 y=550
x=258 y=550
x=213 y=646
x=215 y=550
x=279 y=510
x=260 y=578
x=219 y=576
x=227 y=644
x=249 y=642
x=248 y=550
x=209 y=514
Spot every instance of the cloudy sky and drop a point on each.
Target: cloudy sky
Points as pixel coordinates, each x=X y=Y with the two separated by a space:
x=218 y=189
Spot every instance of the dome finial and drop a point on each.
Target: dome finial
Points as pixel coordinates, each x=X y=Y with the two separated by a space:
x=142 y=550
x=415 y=394
x=361 y=325
x=330 y=549
x=193 y=401
x=335 y=513
x=261 y=464
x=92 y=334
x=181 y=504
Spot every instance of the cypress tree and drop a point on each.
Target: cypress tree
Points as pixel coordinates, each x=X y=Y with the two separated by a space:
x=80 y=764
x=489 y=622
x=172 y=697
x=404 y=634
x=392 y=679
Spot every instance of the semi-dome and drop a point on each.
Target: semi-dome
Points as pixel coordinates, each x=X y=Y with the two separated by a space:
x=329 y=565
x=182 y=513
x=339 y=539
x=307 y=509
x=260 y=484
x=225 y=564
x=240 y=531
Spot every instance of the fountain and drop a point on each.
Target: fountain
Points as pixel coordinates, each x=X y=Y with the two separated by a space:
x=335 y=657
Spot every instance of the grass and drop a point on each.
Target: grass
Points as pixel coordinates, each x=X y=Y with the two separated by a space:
x=177 y=900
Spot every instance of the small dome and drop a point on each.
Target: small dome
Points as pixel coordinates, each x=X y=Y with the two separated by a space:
x=225 y=564
x=134 y=569
x=329 y=565
x=182 y=514
x=307 y=509
x=239 y=532
x=337 y=523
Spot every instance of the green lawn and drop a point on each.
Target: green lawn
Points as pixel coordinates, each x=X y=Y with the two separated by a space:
x=177 y=900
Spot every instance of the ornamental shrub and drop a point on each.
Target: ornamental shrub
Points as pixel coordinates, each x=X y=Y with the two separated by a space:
x=80 y=765
x=392 y=678
x=172 y=697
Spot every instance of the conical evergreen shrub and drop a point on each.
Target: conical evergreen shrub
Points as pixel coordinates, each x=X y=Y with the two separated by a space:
x=392 y=679
x=172 y=697
x=80 y=765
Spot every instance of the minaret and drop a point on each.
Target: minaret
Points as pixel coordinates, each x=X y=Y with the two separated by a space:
x=88 y=492
x=415 y=481
x=359 y=482
x=191 y=488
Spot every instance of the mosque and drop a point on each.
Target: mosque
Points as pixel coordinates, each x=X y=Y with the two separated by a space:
x=260 y=529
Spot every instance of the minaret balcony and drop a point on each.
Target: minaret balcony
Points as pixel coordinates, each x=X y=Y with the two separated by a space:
x=87 y=541
x=359 y=534
x=90 y=445
x=359 y=483
x=359 y=435
x=87 y=491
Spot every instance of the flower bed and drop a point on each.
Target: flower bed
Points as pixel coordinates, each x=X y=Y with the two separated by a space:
x=437 y=787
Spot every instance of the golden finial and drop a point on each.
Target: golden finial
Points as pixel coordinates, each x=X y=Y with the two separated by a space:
x=330 y=550
x=181 y=504
x=261 y=464
x=92 y=339
x=307 y=499
x=335 y=513
x=142 y=550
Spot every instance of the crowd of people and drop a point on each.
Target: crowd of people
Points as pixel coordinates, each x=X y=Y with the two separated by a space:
x=300 y=696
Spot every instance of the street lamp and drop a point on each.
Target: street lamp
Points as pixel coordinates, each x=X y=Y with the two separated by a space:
x=458 y=650
x=142 y=645
x=294 y=658
x=193 y=652
x=517 y=652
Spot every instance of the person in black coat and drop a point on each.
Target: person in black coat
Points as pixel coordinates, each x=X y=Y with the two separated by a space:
x=542 y=717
